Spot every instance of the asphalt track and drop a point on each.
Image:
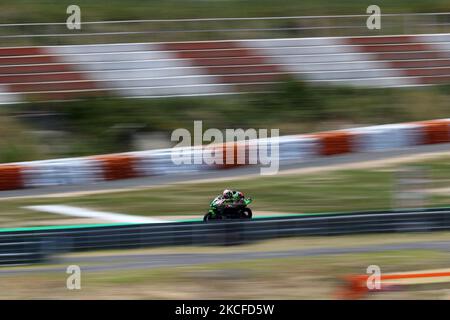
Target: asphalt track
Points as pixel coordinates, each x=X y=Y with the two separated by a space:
x=355 y=158
x=121 y=262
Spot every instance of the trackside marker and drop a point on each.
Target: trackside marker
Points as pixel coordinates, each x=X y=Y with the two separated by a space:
x=356 y=285
x=87 y=213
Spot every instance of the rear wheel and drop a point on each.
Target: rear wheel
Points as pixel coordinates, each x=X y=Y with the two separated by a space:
x=246 y=213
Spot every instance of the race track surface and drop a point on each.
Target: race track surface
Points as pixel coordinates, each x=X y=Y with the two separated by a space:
x=120 y=262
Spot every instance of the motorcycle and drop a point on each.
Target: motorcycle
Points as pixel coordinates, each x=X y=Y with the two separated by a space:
x=235 y=211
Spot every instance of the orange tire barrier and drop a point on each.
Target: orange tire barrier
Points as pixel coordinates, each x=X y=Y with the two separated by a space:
x=232 y=154
x=435 y=132
x=117 y=166
x=357 y=285
x=11 y=177
x=331 y=143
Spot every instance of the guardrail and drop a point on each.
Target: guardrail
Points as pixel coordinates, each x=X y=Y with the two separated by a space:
x=220 y=28
x=35 y=245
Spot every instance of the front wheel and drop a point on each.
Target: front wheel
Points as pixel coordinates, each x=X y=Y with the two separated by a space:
x=246 y=213
x=209 y=216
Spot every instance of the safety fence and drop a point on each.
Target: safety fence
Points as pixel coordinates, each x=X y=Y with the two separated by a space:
x=220 y=28
x=205 y=68
x=38 y=244
x=291 y=149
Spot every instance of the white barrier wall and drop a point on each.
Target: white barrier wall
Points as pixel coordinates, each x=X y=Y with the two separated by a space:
x=386 y=137
x=292 y=149
x=61 y=172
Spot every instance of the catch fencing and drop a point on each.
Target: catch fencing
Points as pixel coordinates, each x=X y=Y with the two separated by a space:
x=56 y=33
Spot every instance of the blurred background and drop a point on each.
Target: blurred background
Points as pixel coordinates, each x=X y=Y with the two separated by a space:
x=86 y=117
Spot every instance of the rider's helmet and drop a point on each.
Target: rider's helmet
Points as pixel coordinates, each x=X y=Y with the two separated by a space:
x=237 y=195
x=227 y=194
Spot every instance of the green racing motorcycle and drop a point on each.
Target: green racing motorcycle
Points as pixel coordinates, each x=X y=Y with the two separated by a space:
x=231 y=211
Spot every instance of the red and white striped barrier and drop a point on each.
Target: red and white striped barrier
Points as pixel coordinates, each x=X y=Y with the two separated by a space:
x=219 y=67
x=295 y=148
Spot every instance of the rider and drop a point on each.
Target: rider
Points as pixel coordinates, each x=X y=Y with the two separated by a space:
x=227 y=198
x=237 y=197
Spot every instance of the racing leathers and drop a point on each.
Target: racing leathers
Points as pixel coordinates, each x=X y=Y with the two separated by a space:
x=221 y=202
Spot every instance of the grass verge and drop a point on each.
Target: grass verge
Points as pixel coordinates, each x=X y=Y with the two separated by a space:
x=288 y=278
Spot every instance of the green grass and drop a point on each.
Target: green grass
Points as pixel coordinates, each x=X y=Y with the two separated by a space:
x=16 y=143
x=21 y=11
x=52 y=10
x=260 y=269
x=344 y=190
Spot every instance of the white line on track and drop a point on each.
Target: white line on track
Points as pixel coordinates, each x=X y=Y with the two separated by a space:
x=87 y=213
